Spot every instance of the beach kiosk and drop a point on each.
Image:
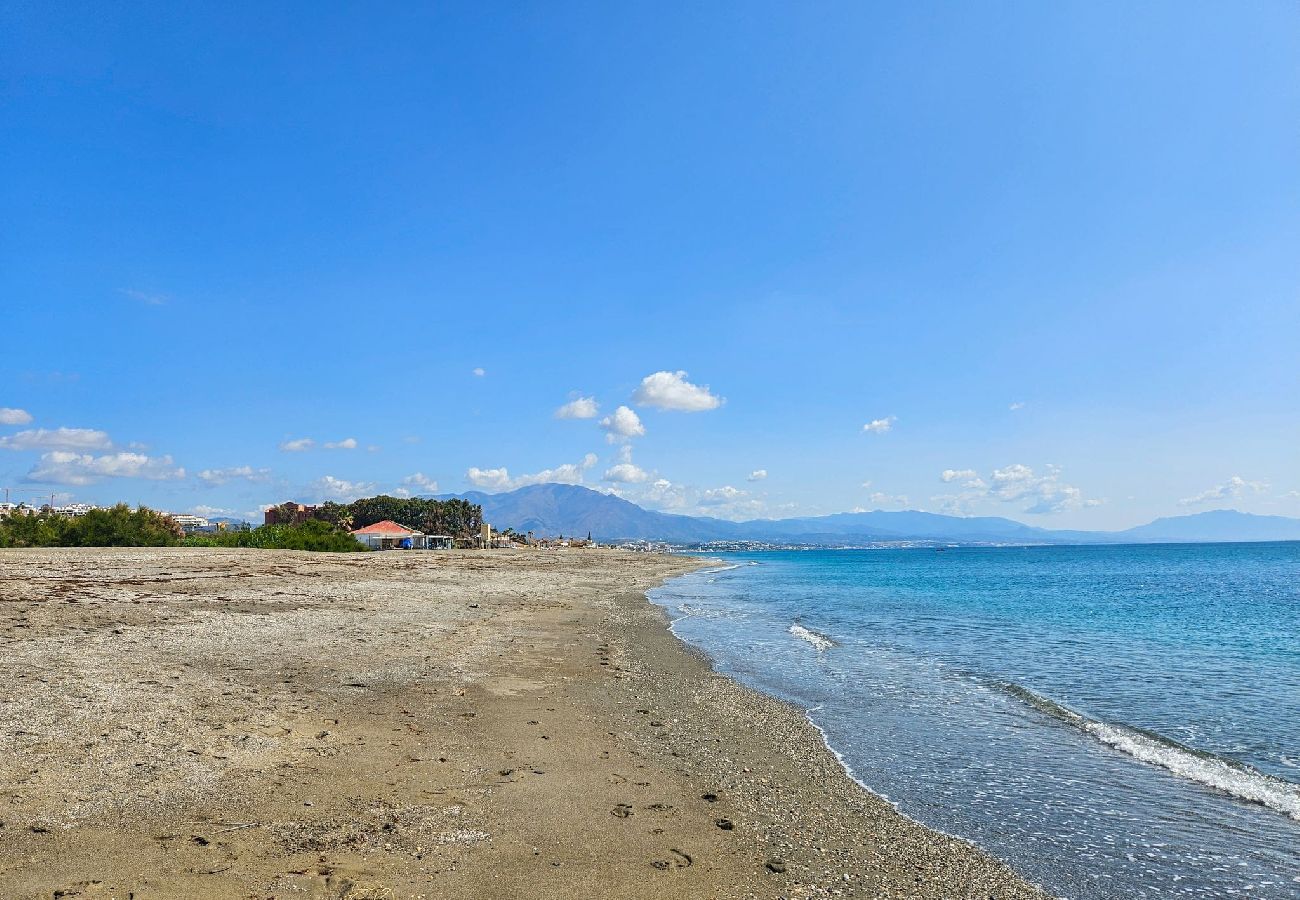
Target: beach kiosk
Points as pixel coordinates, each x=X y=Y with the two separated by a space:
x=388 y=535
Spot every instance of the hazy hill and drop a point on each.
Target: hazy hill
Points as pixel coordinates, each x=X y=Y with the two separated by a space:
x=904 y=524
x=1216 y=525
x=553 y=509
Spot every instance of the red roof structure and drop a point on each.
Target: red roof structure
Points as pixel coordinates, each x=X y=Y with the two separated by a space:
x=386 y=528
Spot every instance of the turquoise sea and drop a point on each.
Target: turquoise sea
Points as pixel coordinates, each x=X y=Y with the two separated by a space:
x=1119 y=721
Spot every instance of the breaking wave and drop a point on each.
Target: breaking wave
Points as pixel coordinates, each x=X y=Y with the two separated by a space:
x=820 y=641
x=1226 y=775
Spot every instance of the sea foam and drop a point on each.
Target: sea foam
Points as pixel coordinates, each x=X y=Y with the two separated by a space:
x=1239 y=781
x=820 y=641
x=1213 y=771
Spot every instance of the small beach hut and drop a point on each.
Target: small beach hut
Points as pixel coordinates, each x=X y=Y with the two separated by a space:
x=388 y=535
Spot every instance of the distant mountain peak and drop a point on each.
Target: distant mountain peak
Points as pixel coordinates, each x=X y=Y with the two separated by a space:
x=551 y=509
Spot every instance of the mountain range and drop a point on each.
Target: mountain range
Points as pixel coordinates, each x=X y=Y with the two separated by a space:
x=549 y=510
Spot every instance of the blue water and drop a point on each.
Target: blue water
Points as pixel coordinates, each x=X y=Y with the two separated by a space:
x=1111 y=721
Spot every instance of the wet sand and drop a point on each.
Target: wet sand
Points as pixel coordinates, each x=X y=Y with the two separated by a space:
x=253 y=724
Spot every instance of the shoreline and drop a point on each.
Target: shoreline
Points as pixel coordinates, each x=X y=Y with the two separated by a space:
x=807 y=715
x=217 y=723
x=938 y=864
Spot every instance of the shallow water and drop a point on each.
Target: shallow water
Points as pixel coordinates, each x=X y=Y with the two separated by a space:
x=1111 y=721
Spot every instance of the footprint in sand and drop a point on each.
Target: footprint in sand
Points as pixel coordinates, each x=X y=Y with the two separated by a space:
x=680 y=860
x=621 y=811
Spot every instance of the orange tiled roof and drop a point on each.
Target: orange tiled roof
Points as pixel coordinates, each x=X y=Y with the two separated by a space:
x=386 y=527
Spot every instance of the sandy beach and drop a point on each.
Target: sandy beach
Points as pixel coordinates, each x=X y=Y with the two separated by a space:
x=186 y=723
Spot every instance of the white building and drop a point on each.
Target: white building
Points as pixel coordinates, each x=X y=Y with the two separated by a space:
x=73 y=510
x=185 y=520
x=190 y=523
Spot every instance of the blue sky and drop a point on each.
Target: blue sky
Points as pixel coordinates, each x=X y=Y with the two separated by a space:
x=1050 y=250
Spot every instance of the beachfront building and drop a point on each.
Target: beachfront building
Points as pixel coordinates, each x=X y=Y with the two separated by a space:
x=388 y=535
x=289 y=513
x=191 y=524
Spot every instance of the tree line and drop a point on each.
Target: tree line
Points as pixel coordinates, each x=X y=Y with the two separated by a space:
x=119 y=526
x=122 y=526
x=327 y=528
x=454 y=517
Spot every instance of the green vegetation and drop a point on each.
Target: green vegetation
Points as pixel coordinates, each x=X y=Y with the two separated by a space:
x=120 y=526
x=309 y=535
x=327 y=530
x=457 y=518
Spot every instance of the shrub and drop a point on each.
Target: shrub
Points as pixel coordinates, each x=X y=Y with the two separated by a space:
x=309 y=535
x=119 y=526
x=122 y=526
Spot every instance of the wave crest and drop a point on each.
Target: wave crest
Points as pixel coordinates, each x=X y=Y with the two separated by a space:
x=1226 y=775
x=820 y=641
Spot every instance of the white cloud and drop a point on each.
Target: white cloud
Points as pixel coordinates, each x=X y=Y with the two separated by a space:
x=500 y=480
x=671 y=390
x=204 y=510
x=492 y=479
x=217 y=477
x=880 y=498
x=479 y=372
x=757 y=475
x=330 y=488
x=345 y=444
x=663 y=494
x=969 y=478
x=68 y=467
x=1232 y=489
x=725 y=502
x=569 y=473
x=622 y=425
x=420 y=481
x=57 y=439
x=1045 y=493
x=627 y=473
x=297 y=445
x=11 y=416
x=721 y=495
x=880 y=426
x=730 y=503
x=581 y=408
x=1019 y=404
